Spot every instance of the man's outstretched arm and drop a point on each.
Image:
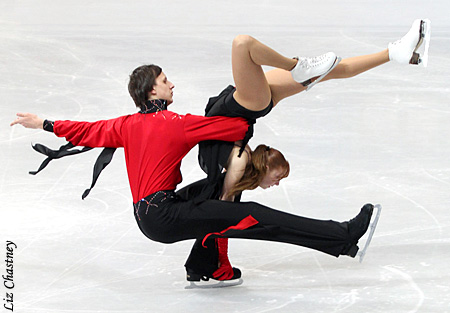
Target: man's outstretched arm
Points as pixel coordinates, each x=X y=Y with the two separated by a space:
x=28 y=120
x=104 y=133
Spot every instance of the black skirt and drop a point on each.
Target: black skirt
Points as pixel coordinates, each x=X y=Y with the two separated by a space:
x=213 y=154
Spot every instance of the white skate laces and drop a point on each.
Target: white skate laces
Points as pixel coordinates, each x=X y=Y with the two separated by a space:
x=404 y=50
x=319 y=66
x=307 y=68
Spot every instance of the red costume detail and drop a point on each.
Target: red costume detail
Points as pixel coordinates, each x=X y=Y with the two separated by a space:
x=245 y=223
x=225 y=271
x=154 y=143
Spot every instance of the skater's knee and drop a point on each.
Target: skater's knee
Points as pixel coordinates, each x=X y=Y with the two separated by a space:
x=242 y=41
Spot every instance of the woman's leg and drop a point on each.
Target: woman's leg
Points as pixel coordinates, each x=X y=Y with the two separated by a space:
x=356 y=65
x=248 y=55
x=402 y=51
x=282 y=85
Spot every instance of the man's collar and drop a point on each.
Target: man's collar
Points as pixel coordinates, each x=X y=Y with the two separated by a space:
x=154 y=105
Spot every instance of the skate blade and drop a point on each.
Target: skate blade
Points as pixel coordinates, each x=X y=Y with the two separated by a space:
x=423 y=37
x=415 y=59
x=215 y=284
x=427 y=37
x=372 y=226
x=336 y=62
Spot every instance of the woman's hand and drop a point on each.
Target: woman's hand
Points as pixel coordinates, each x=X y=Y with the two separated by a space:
x=28 y=120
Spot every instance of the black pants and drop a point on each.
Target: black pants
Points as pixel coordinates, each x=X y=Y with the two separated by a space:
x=166 y=217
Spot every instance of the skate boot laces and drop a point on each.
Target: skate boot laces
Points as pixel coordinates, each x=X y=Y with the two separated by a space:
x=310 y=67
x=309 y=63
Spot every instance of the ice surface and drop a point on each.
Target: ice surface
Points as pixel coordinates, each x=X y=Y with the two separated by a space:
x=381 y=137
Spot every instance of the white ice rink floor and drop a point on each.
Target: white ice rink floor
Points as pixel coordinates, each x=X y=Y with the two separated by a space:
x=381 y=137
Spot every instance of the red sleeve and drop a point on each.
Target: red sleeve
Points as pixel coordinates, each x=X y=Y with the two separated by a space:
x=106 y=133
x=199 y=128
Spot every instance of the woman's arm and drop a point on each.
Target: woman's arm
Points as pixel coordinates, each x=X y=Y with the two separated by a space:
x=235 y=170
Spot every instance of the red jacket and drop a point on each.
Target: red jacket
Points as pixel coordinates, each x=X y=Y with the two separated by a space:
x=154 y=143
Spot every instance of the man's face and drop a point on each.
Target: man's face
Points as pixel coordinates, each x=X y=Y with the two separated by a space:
x=163 y=89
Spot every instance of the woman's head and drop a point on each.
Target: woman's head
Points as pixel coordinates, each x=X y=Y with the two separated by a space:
x=271 y=164
x=147 y=82
x=267 y=167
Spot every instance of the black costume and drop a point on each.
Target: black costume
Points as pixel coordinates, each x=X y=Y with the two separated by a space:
x=213 y=154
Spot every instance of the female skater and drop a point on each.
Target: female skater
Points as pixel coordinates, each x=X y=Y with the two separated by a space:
x=256 y=93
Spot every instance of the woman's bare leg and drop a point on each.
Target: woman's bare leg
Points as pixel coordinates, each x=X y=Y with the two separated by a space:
x=248 y=55
x=282 y=85
x=356 y=65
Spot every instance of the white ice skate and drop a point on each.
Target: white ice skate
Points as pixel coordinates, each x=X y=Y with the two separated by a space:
x=404 y=51
x=319 y=66
x=361 y=253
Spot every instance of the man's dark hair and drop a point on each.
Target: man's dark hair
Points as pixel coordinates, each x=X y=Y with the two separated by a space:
x=141 y=83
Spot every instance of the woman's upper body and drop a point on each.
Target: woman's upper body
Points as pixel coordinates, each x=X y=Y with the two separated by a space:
x=264 y=167
x=214 y=155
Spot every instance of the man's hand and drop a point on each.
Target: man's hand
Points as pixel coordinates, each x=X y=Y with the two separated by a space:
x=28 y=120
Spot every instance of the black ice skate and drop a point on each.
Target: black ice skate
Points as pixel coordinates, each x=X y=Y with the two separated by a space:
x=358 y=226
x=372 y=226
x=203 y=281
